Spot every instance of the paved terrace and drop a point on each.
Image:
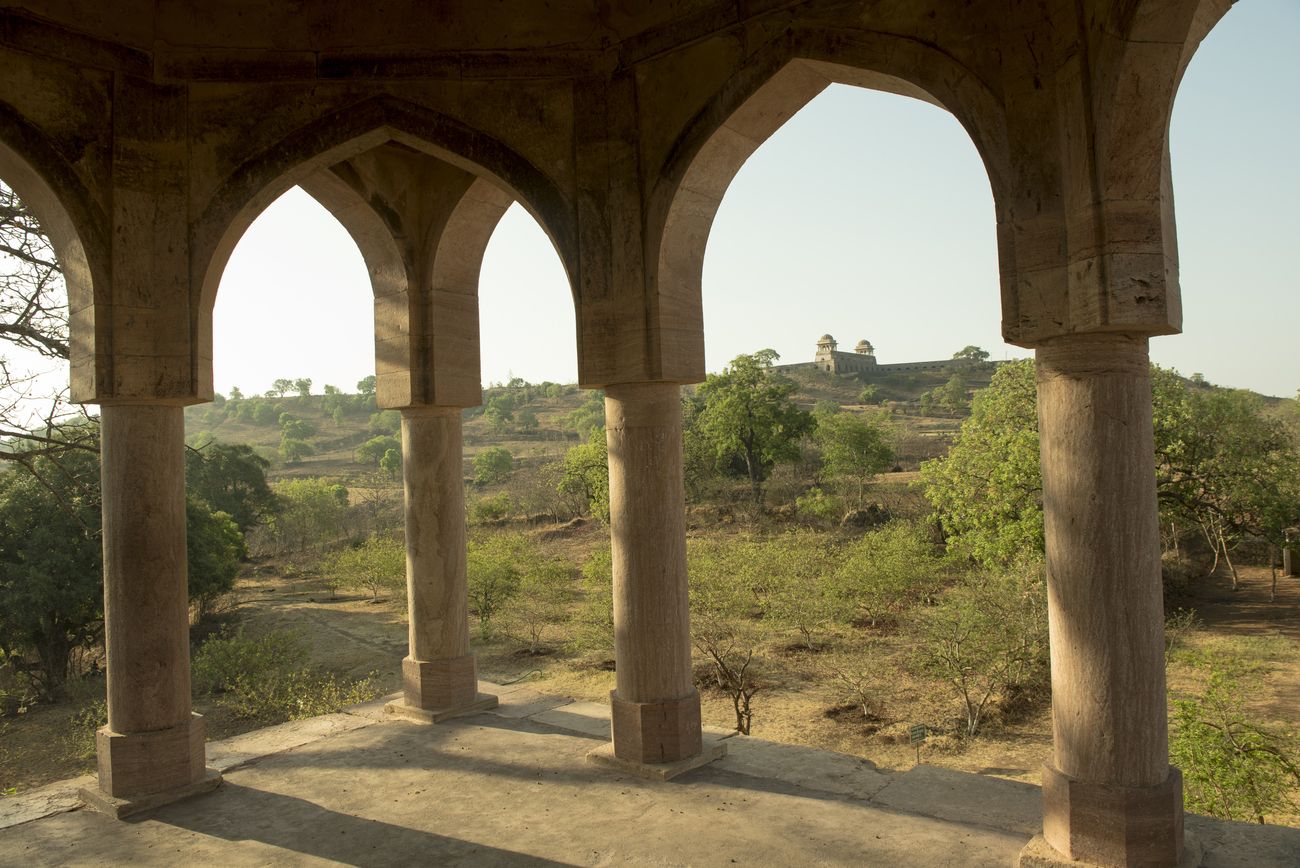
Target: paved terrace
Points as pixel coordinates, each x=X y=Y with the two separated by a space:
x=513 y=787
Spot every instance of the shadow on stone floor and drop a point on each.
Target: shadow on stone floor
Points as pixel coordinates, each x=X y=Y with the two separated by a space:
x=238 y=813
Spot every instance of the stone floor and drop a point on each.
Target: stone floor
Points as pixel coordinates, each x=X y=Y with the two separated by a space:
x=512 y=787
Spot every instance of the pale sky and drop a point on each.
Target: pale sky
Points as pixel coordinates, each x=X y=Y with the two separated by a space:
x=868 y=215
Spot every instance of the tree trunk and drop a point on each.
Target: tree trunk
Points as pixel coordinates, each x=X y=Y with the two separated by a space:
x=1231 y=566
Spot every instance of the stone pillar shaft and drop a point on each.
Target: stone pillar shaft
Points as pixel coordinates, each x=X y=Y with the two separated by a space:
x=152 y=742
x=439 y=672
x=655 y=704
x=1110 y=794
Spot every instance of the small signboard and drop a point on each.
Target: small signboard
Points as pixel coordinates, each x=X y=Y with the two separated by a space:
x=917 y=733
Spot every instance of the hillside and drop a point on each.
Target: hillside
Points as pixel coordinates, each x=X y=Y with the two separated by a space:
x=536 y=423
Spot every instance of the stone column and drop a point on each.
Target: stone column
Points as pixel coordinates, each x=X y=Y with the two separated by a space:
x=153 y=742
x=656 y=709
x=438 y=675
x=1110 y=795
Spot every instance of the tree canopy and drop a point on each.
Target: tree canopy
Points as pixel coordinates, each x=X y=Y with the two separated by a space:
x=1223 y=467
x=231 y=479
x=987 y=491
x=854 y=449
x=745 y=417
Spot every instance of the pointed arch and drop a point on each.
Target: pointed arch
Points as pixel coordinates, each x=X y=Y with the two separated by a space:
x=75 y=224
x=775 y=84
x=426 y=300
x=329 y=141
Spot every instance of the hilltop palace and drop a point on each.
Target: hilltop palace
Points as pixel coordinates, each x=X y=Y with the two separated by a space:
x=862 y=361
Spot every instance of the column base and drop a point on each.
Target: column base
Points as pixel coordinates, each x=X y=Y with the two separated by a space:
x=133 y=765
x=451 y=682
x=656 y=732
x=1103 y=824
x=98 y=800
x=713 y=748
x=399 y=708
x=1040 y=854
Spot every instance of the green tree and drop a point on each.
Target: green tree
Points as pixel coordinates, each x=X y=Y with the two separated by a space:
x=746 y=416
x=293 y=427
x=51 y=561
x=313 y=512
x=952 y=394
x=372 y=451
x=366 y=385
x=391 y=463
x=494 y=464
x=988 y=490
x=231 y=479
x=971 y=353
x=385 y=422
x=50 y=566
x=1223 y=466
x=870 y=394
x=590 y=416
x=526 y=419
x=263 y=413
x=302 y=386
x=496 y=419
x=280 y=387
x=1233 y=767
x=214 y=546
x=293 y=451
x=236 y=394
x=854 y=449
x=586 y=474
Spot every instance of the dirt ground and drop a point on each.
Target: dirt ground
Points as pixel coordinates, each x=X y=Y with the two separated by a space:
x=355 y=636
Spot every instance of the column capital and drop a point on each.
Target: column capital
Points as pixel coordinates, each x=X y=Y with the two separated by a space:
x=415 y=410
x=145 y=401
x=1093 y=354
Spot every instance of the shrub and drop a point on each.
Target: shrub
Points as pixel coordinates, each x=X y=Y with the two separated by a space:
x=265 y=679
x=818 y=507
x=987 y=638
x=1232 y=767
x=222 y=660
x=297 y=694
x=495 y=564
x=541 y=602
x=884 y=570
x=494 y=464
x=313 y=512
x=378 y=564
x=493 y=508
x=593 y=623
x=82 y=726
